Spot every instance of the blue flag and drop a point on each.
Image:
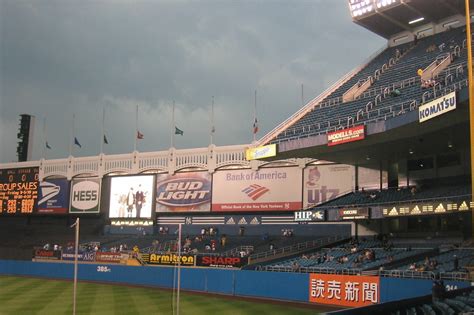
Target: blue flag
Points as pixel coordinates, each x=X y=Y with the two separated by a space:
x=76 y=142
x=105 y=140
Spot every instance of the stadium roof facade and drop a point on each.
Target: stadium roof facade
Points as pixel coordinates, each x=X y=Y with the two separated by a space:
x=390 y=17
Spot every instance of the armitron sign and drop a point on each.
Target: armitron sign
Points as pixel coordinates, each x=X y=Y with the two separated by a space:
x=344 y=290
x=346 y=135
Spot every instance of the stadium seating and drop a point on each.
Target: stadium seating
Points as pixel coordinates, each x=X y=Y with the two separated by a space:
x=398 y=73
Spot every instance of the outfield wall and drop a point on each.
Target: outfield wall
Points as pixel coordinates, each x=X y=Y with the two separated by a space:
x=271 y=285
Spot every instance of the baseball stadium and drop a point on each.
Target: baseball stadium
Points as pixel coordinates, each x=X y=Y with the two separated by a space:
x=358 y=203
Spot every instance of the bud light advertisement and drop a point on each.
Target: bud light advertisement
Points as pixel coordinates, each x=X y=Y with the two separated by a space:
x=85 y=195
x=131 y=196
x=53 y=196
x=183 y=192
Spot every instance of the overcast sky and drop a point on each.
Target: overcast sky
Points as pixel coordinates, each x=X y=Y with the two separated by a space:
x=78 y=56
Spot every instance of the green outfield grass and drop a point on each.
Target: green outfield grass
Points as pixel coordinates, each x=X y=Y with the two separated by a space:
x=20 y=296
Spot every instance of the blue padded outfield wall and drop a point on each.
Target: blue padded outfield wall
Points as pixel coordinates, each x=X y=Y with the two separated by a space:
x=272 y=285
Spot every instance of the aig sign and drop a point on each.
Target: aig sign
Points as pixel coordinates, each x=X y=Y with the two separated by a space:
x=85 y=195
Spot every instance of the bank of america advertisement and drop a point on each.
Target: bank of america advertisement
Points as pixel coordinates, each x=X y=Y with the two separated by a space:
x=325 y=182
x=131 y=196
x=268 y=189
x=53 y=196
x=183 y=192
x=85 y=195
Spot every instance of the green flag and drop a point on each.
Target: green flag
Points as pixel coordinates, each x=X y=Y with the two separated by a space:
x=178 y=131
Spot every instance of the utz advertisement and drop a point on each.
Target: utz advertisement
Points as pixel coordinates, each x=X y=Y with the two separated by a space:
x=267 y=189
x=53 y=196
x=18 y=190
x=190 y=192
x=325 y=182
x=220 y=262
x=85 y=195
x=131 y=196
x=344 y=290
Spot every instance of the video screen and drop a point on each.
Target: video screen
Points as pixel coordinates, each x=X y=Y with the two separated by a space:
x=131 y=196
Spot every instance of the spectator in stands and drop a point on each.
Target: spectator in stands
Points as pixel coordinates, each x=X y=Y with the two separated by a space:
x=272 y=246
x=295 y=267
x=395 y=93
x=441 y=47
x=412 y=267
x=456 y=262
x=241 y=231
x=223 y=240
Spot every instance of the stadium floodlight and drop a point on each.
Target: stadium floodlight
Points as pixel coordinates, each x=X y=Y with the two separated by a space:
x=385 y=3
x=416 y=20
x=360 y=7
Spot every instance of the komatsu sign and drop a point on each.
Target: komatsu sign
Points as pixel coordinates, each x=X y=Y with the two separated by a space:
x=437 y=107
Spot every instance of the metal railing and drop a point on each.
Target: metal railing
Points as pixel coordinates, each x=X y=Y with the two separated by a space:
x=298 y=247
x=412 y=274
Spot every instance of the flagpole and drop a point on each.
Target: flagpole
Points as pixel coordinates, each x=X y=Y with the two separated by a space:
x=76 y=250
x=71 y=142
x=302 y=94
x=172 y=127
x=255 y=115
x=103 y=131
x=136 y=131
x=44 y=138
x=212 y=122
x=179 y=268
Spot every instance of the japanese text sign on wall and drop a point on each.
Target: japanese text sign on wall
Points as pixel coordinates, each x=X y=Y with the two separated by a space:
x=353 y=291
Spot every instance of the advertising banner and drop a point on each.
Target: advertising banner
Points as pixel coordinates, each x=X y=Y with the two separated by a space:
x=261 y=152
x=353 y=213
x=437 y=107
x=85 y=195
x=325 y=182
x=346 y=135
x=169 y=259
x=220 y=262
x=309 y=216
x=82 y=256
x=183 y=192
x=47 y=254
x=131 y=196
x=108 y=257
x=344 y=290
x=268 y=189
x=53 y=196
x=426 y=208
x=18 y=190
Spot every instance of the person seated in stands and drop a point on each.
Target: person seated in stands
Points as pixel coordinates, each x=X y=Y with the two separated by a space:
x=395 y=93
x=272 y=246
x=304 y=256
x=390 y=258
x=354 y=249
x=223 y=240
x=207 y=247
x=441 y=47
x=412 y=267
x=295 y=267
x=211 y=231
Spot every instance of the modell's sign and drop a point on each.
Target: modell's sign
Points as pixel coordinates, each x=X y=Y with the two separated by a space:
x=437 y=107
x=220 y=262
x=183 y=192
x=346 y=135
x=310 y=215
x=85 y=195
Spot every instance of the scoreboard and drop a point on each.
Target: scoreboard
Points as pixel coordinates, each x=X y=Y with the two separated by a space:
x=18 y=190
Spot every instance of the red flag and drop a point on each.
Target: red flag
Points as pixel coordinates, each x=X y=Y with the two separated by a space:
x=139 y=135
x=255 y=126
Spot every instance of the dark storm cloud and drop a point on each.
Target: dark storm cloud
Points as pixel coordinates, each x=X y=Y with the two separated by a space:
x=64 y=57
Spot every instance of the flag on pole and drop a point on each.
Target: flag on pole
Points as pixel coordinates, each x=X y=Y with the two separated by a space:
x=178 y=131
x=255 y=126
x=140 y=135
x=76 y=142
x=105 y=140
x=47 y=145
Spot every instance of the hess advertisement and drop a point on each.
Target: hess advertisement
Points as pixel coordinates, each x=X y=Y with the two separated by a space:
x=53 y=196
x=268 y=189
x=131 y=196
x=85 y=195
x=18 y=190
x=183 y=192
x=325 y=182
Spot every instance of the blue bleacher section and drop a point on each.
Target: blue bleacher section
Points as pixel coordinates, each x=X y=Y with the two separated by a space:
x=377 y=102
